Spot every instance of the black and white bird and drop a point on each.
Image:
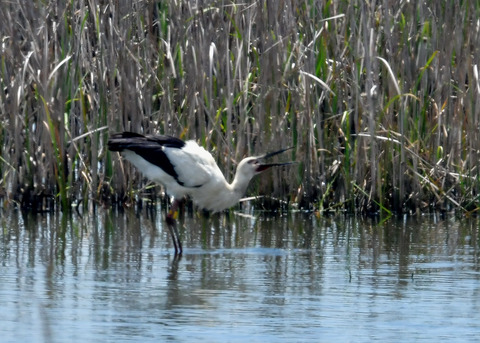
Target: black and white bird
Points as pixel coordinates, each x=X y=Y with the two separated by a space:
x=186 y=169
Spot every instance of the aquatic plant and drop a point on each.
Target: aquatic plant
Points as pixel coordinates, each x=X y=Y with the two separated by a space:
x=380 y=99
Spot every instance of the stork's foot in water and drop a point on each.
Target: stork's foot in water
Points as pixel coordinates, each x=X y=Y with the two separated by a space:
x=172 y=227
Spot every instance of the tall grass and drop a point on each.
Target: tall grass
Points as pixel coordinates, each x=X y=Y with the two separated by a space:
x=380 y=98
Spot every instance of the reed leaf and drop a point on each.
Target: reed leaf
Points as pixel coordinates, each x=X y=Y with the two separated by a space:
x=378 y=98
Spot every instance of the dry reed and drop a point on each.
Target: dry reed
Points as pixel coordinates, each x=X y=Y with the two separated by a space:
x=380 y=98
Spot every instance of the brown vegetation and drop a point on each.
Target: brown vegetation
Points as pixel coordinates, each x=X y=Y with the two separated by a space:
x=380 y=99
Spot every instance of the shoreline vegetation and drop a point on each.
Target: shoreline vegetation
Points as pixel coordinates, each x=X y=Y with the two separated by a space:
x=380 y=99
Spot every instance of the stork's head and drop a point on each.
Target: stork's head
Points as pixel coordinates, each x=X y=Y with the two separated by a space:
x=251 y=166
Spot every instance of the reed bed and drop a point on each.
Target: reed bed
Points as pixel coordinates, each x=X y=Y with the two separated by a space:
x=380 y=99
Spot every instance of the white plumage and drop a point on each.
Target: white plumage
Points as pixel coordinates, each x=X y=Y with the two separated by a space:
x=186 y=169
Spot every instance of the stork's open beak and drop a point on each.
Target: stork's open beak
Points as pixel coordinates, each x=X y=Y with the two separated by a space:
x=264 y=166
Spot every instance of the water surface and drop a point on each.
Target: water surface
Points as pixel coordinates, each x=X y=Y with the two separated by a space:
x=112 y=277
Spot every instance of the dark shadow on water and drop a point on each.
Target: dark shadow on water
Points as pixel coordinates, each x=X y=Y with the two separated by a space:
x=173 y=270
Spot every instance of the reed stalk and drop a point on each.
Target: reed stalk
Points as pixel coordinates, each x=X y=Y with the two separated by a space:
x=380 y=99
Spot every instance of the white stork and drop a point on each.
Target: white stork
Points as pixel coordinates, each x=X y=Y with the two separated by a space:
x=187 y=169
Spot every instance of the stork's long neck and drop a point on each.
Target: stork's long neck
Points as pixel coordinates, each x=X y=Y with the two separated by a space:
x=218 y=194
x=239 y=184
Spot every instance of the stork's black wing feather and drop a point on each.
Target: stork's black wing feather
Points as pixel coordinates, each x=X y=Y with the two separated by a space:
x=125 y=140
x=148 y=147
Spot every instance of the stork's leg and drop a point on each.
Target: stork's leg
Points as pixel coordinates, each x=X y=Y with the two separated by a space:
x=172 y=226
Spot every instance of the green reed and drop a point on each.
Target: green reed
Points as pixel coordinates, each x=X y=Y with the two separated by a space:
x=380 y=100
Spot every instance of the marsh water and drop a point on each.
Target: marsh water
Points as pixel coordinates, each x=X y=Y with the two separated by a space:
x=111 y=276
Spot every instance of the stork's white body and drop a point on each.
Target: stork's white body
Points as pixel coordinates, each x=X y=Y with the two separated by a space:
x=202 y=180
